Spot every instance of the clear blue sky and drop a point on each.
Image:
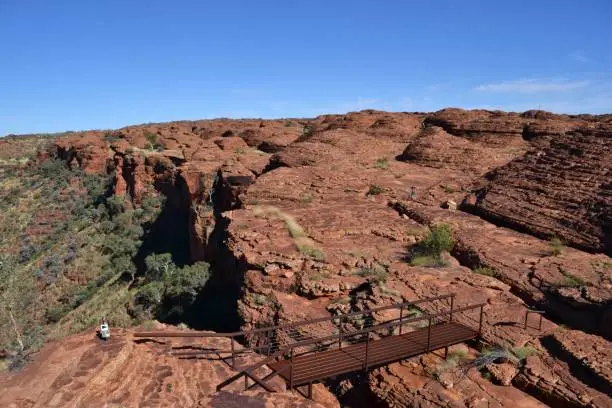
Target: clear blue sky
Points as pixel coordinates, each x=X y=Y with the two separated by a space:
x=85 y=64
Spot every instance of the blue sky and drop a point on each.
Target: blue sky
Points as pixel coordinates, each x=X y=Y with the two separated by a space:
x=86 y=64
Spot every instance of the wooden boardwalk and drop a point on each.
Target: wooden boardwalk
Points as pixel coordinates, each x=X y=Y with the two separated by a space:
x=313 y=350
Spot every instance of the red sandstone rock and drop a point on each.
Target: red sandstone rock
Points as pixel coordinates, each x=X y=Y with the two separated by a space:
x=80 y=371
x=563 y=190
x=310 y=219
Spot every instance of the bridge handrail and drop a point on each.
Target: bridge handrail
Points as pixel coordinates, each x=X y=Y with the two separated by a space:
x=294 y=324
x=248 y=371
x=370 y=329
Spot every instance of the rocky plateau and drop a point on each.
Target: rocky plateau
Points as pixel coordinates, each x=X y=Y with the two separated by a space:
x=288 y=212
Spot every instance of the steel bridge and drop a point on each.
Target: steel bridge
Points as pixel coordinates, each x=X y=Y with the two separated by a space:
x=309 y=351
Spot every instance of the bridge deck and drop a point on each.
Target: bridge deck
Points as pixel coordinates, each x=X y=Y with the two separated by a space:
x=321 y=365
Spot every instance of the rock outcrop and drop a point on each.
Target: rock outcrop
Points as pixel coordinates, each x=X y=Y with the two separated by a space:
x=81 y=371
x=311 y=217
x=564 y=189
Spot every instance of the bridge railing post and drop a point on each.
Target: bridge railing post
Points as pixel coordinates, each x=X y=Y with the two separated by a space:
x=528 y=312
x=401 y=318
x=340 y=334
x=291 y=371
x=540 y=324
x=233 y=353
x=428 y=333
x=480 y=322
x=366 y=351
x=452 y=303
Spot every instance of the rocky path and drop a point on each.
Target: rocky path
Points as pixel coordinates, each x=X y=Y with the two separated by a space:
x=82 y=371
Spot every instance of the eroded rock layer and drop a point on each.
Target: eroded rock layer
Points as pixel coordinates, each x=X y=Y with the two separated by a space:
x=314 y=217
x=563 y=189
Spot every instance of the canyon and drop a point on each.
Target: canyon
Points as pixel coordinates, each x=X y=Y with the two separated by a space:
x=295 y=216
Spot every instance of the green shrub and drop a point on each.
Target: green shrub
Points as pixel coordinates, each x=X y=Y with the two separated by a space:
x=115 y=205
x=168 y=283
x=384 y=290
x=448 y=189
x=458 y=354
x=382 y=163
x=307 y=131
x=569 y=280
x=260 y=299
x=555 y=246
x=377 y=272
x=96 y=187
x=485 y=270
x=572 y=281
x=342 y=301
x=19 y=332
x=55 y=313
x=311 y=251
x=55 y=170
x=375 y=189
x=515 y=355
x=295 y=230
x=27 y=251
x=151 y=139
x=521 y=353
x=111 y=137
x=440 y=239
x=425 y=260
x=150 y=295
x=152 y=203
x=317 y=276
x=307 y=198
x=454 y=358
x=148 y=325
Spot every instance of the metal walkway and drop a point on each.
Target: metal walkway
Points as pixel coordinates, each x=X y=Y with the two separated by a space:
x=305 y=352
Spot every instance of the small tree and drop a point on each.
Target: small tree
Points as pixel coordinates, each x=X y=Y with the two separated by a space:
x=17 y=293
x=440 y=239
x=166 y=282
x=307 y=132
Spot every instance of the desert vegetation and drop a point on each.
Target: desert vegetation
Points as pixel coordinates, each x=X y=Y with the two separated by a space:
x=303 y=242
x=429 y=251
x=377 y=273
x=382 y=163
x=69 y=249
x=375 y=189
x=485 y=270
x=555 y=246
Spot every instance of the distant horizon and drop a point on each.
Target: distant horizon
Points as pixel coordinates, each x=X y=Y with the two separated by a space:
x=50 y=134
x=99 y=65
